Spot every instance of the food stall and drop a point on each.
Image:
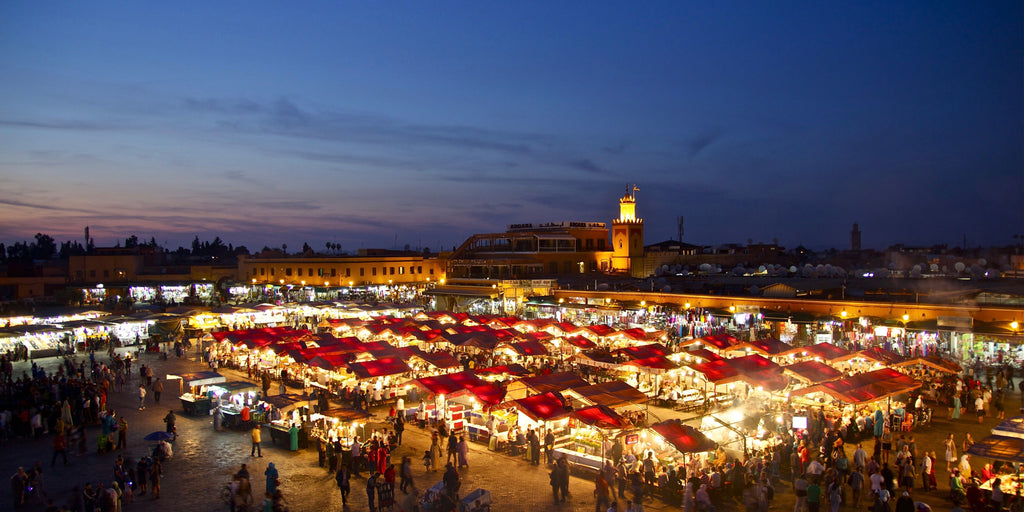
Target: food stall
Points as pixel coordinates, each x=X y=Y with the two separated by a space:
x=286 y=411
x=234 y=396
x=540 y=412
x=673 y=443
x=194 y=390
x=589 y=430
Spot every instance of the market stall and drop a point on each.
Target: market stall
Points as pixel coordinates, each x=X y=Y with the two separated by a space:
x=584 y=447
x=288 y=411
x=673 y=442
x=194 y=390
x=234 y=397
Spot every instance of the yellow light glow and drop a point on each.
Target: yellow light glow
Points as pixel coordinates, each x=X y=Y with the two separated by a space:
x=1014 y=325
x=442 y=280
x=687 y=305
x=643 y=303
x=906 y=317
x=842 y=314
x=732 y=309
x=254 y=280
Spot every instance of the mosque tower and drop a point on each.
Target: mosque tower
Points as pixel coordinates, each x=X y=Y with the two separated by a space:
x=627 y=234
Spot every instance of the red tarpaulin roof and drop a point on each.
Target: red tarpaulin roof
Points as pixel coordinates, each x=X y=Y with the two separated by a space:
x=462 y=382
x=613 y=393
x=704 y=354
x=882 y=355
x=331 y=362
x=657 y=364
x=600 y=416
x=378 y=368
x=826 y=351
x=767 y=347
x=685 y=438
x=935 y=362
x=528 y=348
x=635 y=333
x=437 y=359
x=600 y=329
x=644 y=351
x=511 y=369
x=581 y=342
x=543 y=407
x=717 y=372
x=544 y=383
x=753 y=363
x=600 y=358
x=864 y=387
x=720 y=341
x=438 y=384
x=566 y=327
x=538 y=336
x=813 y=371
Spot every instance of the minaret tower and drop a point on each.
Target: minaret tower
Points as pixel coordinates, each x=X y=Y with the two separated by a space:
x=627 y=234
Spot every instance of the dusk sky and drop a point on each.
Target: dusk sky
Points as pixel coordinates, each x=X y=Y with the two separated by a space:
x=363 y=123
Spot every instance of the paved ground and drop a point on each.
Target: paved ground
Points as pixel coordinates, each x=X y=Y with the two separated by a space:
x=204 y=461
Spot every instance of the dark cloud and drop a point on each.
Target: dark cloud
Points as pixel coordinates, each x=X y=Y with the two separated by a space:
x=61 y=125
x=43 y=206
x=587 y=165
x=703 y=140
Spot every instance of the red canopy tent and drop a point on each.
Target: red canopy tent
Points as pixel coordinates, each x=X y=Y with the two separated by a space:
x=768 y=347
x=581 y=342
x=683 y=437
x=864 y=387
x=378 y=368
x=528 y=348
x=613 y=393
x=655 y=364
x=544 y=383
x=812 y=371
x=704 y=354
x=826 y=351
x=510 y=369
x=600 y=416
x=644 y=351
x=542 y=407
x=330 y=362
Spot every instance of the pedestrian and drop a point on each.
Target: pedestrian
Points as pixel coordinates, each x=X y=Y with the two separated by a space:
x=602 y=492
x=371 y=490
x=154 y=478
x=142 y=397
x=342 y=477
x=169 y=420
x=257 y=437
x=158 y=387
x=560 y=480
x=60 y=447
x=399 y=427
x=19 y=486
x=463 y=451
x=950 y=445
x=356 y=452
x=813 y=495
x=549 y=445
x=979 y=408
x=405 y=475
x=122 y=434
x=453 y=447
x=271 y=473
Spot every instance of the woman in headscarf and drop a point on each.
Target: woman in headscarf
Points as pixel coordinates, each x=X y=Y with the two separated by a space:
x=463 y=451
x=271 y=473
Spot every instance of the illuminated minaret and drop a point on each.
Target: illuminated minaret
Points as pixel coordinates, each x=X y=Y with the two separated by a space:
x=627 y=233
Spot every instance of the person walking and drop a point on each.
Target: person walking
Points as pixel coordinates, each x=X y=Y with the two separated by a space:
x=257 y=437
x=154 y=478
x=814 y=496
x=405 y=475
x=271 y=473
x=602 y=493
x=122 y=433
x=342 y=477
x=453 y=447
x=560 y=480
x=142 y=397
x=60 y=447
x=158 y=387
x=371 y=490
x=463 y=452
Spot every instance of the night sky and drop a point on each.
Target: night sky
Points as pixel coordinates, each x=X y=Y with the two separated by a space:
x=381 y=124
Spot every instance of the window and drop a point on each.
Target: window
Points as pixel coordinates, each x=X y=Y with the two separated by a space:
x=79 y=275
x=392 y=270
x=383 y=271
x=401 y=270
x=299 y=270
x=92 y=273
x=288 y=271
x=334 y=272
x=590 y=244
x=309 y=272
x=320 y=272
x=106 y=273
x=600 y=244
x=348 y=272
x=254 y=271
x=263 y=271
x=362 y=271
x=271 y=271
x=431 y=271
x=374 y=269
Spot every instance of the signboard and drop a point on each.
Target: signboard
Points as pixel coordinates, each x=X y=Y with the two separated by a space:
x=633 y=438
x=799 y=422
x=823 y=337
x=743 y=308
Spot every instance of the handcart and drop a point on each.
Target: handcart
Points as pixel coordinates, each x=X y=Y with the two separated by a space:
x=476 y=501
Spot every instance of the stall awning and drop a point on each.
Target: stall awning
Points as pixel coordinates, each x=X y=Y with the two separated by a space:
x=878 y=354
x=613 y=393
x=768 y=347
x=544 y=383
x=331 y=362
x=543 y=407
x=864 y=387
x=1004 y=448
x=813 y=372
x=235 y=387
x=600 y=416
x=437 y=359
x=717 y=372
x=199 y=378
x=644 y=351
x=287 y=402
x=655 y=364
x=1012 y=427
x=936 y=362
x=528 y=348
x=509 y=369
x=826 y=351
x=463 y=291
x=346 y=415
x=704 y=354
x=598 y=358
x=581 y=342
x=683 y=437
x=378 y=368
